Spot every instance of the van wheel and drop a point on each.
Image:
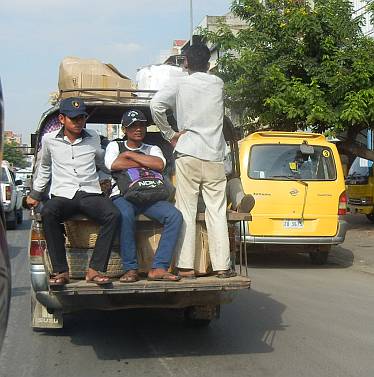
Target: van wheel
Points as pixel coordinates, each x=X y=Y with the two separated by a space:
x=320 y=256
x=370 y=217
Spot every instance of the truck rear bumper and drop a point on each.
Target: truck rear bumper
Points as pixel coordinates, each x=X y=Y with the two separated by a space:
x=364 y=210
x=281 y=240
x=79 y=295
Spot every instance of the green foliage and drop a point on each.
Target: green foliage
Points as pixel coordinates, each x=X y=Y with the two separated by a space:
x=14 y=155
x=297 y=67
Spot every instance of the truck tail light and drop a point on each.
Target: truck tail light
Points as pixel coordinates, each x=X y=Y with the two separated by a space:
x=342 y=209
x=38 y=245
x=8 y=192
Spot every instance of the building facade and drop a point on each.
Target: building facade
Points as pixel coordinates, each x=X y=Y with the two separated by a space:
x=361 y=9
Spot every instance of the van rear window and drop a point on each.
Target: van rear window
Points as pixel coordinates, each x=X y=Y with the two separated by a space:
x=4 y=176
x=285 y=162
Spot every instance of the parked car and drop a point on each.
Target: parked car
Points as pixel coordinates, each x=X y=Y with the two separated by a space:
x=5 y=276
x=11 y=196
x=360 y=188
x=298 y=183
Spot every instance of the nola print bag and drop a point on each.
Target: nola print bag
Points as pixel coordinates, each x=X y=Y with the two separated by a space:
x=141 y=185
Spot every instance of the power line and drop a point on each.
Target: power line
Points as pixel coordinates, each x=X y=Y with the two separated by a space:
x=363 y=7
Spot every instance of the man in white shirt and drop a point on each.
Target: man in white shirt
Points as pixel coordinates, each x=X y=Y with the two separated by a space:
x=68 y=158
x=133 y=153
x=197 y=103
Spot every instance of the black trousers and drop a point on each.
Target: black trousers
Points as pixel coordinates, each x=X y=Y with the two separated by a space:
x=95 y=206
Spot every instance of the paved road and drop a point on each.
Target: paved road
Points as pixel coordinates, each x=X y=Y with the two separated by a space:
x=297 y=320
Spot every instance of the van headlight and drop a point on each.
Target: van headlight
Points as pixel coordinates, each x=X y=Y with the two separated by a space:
x=366 y=201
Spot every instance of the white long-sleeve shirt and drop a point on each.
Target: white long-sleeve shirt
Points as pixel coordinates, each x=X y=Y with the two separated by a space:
x=197 y=103
x=71 y=166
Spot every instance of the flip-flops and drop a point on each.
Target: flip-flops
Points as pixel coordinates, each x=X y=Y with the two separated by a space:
x=96 y=279
x=130 y=276
x=58 y=279
x=164 y=276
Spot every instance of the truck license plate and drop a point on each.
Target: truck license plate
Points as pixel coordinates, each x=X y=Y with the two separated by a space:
x=293 y=224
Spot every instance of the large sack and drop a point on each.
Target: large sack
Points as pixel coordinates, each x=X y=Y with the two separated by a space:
x=76 y=73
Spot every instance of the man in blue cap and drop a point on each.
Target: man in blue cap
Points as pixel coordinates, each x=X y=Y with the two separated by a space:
x=68 y=159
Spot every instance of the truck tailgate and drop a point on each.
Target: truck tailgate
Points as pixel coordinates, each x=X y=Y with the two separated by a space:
x=201 y=284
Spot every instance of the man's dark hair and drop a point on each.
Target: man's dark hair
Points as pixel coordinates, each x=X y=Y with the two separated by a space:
x=198 y=56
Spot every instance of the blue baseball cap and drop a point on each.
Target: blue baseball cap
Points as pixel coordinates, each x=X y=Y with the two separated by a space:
x=132 y=116
x=72 y=107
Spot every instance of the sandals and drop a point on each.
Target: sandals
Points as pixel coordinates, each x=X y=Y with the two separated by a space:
x=226 y=274
x=158 y=274
x=59 y=279
x=99 y=279
x=130 y=276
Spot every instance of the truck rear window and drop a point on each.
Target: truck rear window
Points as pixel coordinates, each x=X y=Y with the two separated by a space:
x=285 y=162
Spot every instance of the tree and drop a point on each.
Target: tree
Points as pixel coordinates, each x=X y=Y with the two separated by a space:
x=13 y=154
x=298 y=66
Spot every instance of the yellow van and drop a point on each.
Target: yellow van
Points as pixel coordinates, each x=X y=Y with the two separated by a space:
x=298 y=183
x=360 y=187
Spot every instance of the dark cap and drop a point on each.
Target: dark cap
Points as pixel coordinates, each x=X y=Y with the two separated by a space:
x=132 y=116
x=72 y=107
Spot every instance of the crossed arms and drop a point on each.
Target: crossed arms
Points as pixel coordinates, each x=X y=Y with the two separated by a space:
x=129 y=159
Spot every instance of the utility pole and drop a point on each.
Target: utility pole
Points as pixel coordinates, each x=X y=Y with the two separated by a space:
x=191 y=22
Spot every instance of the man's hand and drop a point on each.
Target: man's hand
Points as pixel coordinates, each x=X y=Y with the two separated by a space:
x=176 y=137
x=32 y=202
x=128 y=154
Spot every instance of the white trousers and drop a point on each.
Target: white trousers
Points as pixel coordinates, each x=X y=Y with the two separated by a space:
x=193 y=175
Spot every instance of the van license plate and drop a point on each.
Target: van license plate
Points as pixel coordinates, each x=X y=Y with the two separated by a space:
x=293 y=224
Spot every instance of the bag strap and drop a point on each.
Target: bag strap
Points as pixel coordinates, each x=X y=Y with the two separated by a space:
x=121 y=146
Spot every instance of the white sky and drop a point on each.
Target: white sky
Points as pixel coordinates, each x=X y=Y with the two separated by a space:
x=35 y=35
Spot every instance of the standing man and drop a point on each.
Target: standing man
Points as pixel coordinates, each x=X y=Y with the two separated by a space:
x=133 y=153
x=68 y=158
x=197 y=102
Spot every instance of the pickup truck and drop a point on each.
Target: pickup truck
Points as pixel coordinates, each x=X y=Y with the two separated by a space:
x=11 y=196
x=199 y=299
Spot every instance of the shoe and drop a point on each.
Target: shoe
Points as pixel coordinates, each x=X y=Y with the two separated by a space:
x=246 y=204
x=226 y=274
x=186 y=274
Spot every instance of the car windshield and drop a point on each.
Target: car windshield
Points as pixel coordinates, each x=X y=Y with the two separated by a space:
x=360 y=168
x=287 y=162
x=4 y=176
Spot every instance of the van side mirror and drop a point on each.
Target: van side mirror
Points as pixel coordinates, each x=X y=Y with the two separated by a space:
x=18 y=182
x=34 y=138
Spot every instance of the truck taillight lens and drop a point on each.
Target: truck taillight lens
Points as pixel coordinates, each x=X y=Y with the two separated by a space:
x=38 y=245
x=37 y=248
x=8 y=192
x=342 y=210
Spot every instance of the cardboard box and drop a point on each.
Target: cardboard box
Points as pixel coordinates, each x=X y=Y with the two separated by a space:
x=76 y=73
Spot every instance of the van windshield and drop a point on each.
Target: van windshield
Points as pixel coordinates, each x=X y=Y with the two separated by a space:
x=285 y=162
x=360 y=168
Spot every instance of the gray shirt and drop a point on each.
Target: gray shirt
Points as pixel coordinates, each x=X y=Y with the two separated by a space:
x=197 y=102
x=72 y=166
